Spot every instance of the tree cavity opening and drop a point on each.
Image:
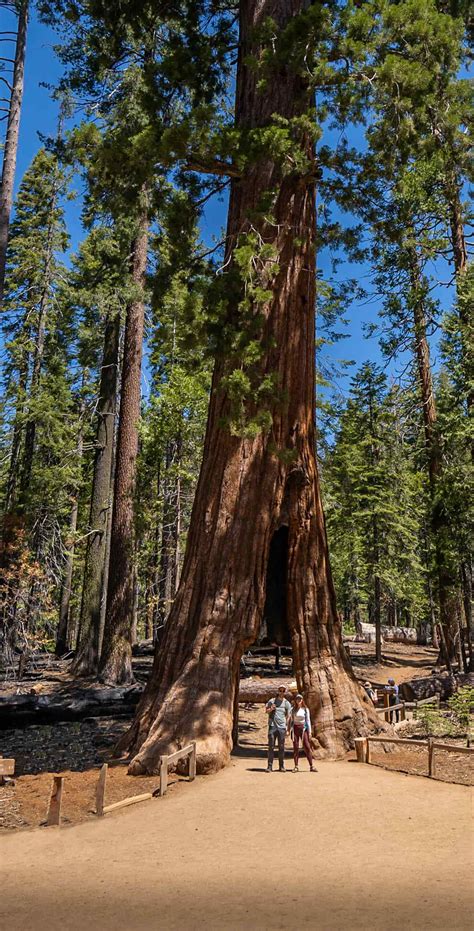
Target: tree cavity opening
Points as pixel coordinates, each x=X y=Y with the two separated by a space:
x=275 y=628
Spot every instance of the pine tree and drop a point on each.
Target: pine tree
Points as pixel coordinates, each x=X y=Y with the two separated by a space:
x=372 y=489
x=39 y=411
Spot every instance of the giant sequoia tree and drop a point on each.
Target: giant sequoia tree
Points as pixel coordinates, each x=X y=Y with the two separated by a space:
x=259 y=476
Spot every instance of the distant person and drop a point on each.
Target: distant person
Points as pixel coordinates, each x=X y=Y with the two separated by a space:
x=279 y=713
x=393 y=697
x=300 y=722
x=371 y=692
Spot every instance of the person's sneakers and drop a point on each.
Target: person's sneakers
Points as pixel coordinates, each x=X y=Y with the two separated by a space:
x=269 y=769
x=295 y=769
x=313 y=769
x=281 y=769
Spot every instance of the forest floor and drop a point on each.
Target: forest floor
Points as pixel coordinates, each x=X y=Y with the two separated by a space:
x=77 y=749
x=350 y=846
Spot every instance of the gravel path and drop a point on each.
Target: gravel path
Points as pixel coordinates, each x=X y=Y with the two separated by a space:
x=348 y=847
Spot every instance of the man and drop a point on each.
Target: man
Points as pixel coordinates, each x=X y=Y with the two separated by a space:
x=279 y=711
x=393 y=697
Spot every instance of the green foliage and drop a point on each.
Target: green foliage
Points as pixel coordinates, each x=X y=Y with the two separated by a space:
x=462 y=706
x=432 y=721
x=40 y=404
x=374 y=498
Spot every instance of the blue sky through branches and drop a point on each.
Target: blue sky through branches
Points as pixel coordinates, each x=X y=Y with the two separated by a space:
x=39 y=121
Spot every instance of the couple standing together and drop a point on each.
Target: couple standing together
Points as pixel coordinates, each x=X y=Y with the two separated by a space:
x=283 y=719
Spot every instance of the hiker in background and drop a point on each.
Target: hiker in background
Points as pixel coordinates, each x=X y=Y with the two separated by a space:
x=371 y=692
x=300 y=723
x=393 y=693
x=279 y=712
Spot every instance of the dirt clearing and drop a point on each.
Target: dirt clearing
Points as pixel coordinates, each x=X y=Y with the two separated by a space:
x=351 y=846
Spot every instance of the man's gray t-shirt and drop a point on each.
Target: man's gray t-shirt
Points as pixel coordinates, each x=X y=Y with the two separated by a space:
x=277 y=719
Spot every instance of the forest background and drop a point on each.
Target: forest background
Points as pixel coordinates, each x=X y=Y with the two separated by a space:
x=394 y=445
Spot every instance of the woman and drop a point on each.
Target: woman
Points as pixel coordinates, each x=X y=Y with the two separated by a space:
x=370 y=691
x=300 y=722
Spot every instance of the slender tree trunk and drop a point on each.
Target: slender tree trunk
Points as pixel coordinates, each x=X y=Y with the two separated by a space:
x=11 y=141
x=115 y=662
x=87 y=658
x=377 y=605
x=435 y=465
x=136 y=596
x=15 y=448
x=63 y=635
x=464 y=292
x=30 y=429
x=466 y=573
x=251 y=486
x=169 y=555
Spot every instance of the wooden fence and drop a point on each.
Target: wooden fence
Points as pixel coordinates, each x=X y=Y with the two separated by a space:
x=53 y=816
x=403 y=706
x=362 y=746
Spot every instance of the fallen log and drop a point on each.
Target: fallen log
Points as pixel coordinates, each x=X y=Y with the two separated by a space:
x=71 y=705
x=262 y=690
x=443 y=685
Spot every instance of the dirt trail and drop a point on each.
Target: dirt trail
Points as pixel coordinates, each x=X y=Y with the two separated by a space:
x=348 y=847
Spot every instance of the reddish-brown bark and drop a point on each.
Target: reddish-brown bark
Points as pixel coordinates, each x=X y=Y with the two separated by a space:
x=250 y=487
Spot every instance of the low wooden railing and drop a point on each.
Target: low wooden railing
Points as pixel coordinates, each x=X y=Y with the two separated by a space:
x=403 y=706
x=188 y=751
x=362 y=746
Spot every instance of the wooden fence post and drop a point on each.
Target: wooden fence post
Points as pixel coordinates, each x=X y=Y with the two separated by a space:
x=54 y=810
x=430 y=757
x=403 y=712
x=367 y=754
x=7 y=769
x=361 y=749
x=192 y=762
x=100 y=791
x=386 y=704
x=163 y=775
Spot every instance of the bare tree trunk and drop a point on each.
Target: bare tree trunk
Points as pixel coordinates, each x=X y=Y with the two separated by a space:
x=15 y=449
x=435 y=464
x=136 y=595
x=169 y=554
x=466 y=574
x=115 y=662
x=377 y=619
x=64 y=633
x=249 y=487
x=11 y=141
x=87 y=658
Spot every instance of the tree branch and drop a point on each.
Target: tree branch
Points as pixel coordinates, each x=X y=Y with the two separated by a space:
x=212 y=167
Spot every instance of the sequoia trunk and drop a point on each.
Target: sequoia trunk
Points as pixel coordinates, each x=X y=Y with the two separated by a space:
x=116 y=656
x=251 y=485
x=11 y=141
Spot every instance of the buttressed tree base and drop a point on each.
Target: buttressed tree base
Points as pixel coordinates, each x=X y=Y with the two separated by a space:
x=259 y=471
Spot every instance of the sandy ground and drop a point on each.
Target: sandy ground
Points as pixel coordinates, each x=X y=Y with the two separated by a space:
x=348 y=847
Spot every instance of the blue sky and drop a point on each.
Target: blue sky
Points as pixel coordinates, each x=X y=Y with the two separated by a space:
x=39 y=117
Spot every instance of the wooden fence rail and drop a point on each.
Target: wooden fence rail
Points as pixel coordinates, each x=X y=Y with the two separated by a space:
x=166 y=761
x=101 y=808
x=403 y=706
x=362 y=746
